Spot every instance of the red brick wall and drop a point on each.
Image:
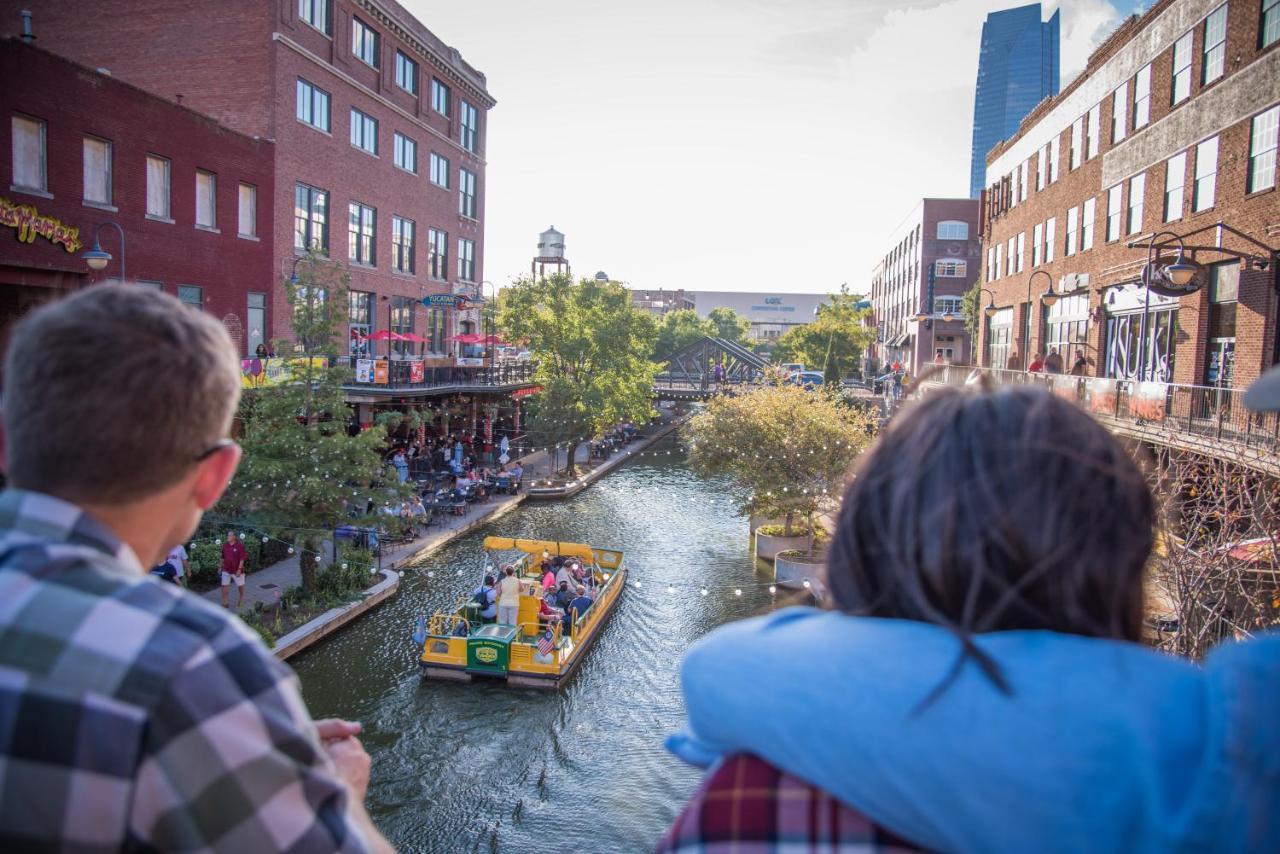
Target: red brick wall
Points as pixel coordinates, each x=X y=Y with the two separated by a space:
x=75 y=102
x=1258 y=215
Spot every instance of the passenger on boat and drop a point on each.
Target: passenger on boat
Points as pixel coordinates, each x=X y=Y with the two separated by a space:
x=563 y=596
x=508 y=597
x=548 y=616
x=548 y=577
x=487 y=599
x=565 y=576
x=579 y=605
x=989 y=677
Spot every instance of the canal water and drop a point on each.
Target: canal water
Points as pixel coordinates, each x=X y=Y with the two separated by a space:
x=486 y=768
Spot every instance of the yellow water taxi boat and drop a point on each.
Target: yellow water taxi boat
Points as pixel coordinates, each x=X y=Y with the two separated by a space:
x=461 y=646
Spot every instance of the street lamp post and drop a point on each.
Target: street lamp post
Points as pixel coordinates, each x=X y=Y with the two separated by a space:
x=989 y=312
x=97 y=257
x=1179 y=274
x=1048 y=298
x=489 y=323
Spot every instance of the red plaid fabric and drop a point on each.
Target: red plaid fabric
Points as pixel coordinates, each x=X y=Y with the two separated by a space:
x=746 y=806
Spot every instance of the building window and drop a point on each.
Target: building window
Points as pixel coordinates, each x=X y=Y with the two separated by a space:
x=1042 y=168
x=206 y=199
x=1037 y=240
x=406 y=73
x=951 y=229
x=999 y=333
x=402 y=310
x=1206 y=175
x=1113 y=212
x=360 y=319
x=192 y=295
x=97 y=171
x=437 y=254
x=1023 y=170
x=1022 y=249
x=317 y=13
x=1077 y=142
x=1119 y=112
x=1066 y=327
x=152 y=284
x=1050 y=236
x=467 y=193
x=256 y=331
x=30 y=168
x=157 y=187
x=405 y=153
x=1124 y=343
x=1137 y=189
x=364 y=42
x=439 y=171
x=248 y=218
x=1175 y=176
x=1269 y=26
x=1262 y=151
x=361 y=227
x=1094 y=131
x=1142 y=97
x=364 y=131
x=434 y=326
x=403 y=243
x=1073 y=229
x=1055 y=157
x=310 y=219
x=440 y=97
x=948 y=305
x=313 y=105
x=950 y=268
x=1087 y=215
x=992 y=272
x=1182 y=69
x=466 y=259
x=1010 y=262
x=1215 y=45
x=469 y=127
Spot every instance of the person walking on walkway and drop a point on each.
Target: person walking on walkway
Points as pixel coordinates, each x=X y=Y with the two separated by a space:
x=142 y=718
x=508 y=597
x=233 y=561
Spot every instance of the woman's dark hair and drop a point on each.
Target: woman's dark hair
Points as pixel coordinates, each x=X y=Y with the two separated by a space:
x=991 y=510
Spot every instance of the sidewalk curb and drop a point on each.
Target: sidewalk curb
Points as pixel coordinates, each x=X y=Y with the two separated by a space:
x=335 y=618
x=553 y=493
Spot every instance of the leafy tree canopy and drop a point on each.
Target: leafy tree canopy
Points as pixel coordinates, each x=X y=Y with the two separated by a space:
x=678 y=329
x=302 y=474
x=728 y=324
x=592 y=354
x=785 y=450
x=834 y=342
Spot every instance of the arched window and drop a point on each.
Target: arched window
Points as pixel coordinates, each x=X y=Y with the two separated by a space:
x=953 y=229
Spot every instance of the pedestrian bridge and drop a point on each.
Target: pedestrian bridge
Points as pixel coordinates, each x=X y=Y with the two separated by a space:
x=690 y=372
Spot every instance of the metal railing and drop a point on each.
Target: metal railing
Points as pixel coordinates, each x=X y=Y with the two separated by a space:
x=406 y=374
x=1206 y=413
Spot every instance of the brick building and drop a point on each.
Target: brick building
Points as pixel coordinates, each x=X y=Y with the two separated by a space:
x=378 y=131
x=81 y=149
x=1168 y=134
x=934 y=257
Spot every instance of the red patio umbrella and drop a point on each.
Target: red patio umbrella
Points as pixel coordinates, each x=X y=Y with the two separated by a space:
x=387 y=334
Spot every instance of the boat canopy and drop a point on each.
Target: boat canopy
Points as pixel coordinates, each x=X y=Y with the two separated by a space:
x=537 y=547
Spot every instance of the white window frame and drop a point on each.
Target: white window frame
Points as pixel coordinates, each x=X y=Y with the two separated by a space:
x=212 y=224
x=89 y=143
x=1180 y=85
x=1088 y=219
x=1022 y=250
x=1138 y=191
x=439 y=174
x=1213 y=50
x=437 y=254
x=466 y=259
x=247 y=200
x=1050 y=236
x=1042 y=168
x=1119 y=112
x=1093 y=134
x=1073 y=231
x=362 y=218
x=1175 y=179
x=402 y=250
x=1055 y=158
x=1115 y=211
x=39 y=130
x=467 y=193
x=1204 y=192
x=1142 y=97
x=1269 y=24
x=953 y=229
x=1262 y=150
x=164 y=168
x=1037 y=241
x=1077 y=143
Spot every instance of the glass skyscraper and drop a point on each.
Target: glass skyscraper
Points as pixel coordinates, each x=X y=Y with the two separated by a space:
x=1017 y=69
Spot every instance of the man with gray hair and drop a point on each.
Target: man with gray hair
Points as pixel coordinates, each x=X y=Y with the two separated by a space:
x=132 y=715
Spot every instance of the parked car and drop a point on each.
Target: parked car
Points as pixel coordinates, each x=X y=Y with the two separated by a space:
x=807 y=379
x=792 y=368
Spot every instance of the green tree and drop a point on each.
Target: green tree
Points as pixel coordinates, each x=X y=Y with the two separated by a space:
x=728 y=324
x=678 y=329
x=834 y=342
x=302 y=474
x=592 y=354
x=785 y=451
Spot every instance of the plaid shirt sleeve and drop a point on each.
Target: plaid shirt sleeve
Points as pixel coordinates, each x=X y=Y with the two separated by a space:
x=747 y=806
x=231 y=760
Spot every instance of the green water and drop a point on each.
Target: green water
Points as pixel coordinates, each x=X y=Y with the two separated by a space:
x=486 y=768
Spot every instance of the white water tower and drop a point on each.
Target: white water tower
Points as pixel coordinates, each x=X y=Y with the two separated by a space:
x=550 y=254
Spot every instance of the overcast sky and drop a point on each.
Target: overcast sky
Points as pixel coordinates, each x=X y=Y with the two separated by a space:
x=761 y=145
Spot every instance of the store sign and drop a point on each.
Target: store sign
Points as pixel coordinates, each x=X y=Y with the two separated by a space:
x=417 y=372
x=470 y=362
x=30 y=225
x=451 y=302
x=381 y=373
x=525 y=392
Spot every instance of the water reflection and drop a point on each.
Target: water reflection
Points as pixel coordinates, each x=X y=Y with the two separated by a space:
x=486 y=768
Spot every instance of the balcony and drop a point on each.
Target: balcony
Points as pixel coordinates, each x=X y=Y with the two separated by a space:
x=1202 y=419
x=398 y=376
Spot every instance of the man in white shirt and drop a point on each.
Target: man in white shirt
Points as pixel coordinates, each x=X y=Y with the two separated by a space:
x=178 y=560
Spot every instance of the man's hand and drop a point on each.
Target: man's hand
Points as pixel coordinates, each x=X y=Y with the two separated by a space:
x=331 y=729
x=349 y=757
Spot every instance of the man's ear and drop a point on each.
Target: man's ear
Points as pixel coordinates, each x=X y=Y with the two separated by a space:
x=214 y=475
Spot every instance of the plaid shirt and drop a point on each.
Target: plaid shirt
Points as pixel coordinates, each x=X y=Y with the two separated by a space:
x=136 y=717
x=746 y=806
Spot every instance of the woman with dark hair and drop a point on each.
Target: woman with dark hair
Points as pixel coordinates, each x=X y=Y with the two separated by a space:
x=979 y=682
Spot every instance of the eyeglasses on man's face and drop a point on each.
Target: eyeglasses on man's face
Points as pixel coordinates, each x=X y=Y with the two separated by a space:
x=213 y=449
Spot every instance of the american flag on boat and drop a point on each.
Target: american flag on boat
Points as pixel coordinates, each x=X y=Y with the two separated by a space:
x=545 y=643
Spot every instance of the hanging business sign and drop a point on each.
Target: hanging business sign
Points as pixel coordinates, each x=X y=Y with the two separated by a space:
x=30 y=224
x=452 y=302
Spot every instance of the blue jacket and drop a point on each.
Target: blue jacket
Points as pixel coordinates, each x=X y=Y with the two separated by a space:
x=1102 y=745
